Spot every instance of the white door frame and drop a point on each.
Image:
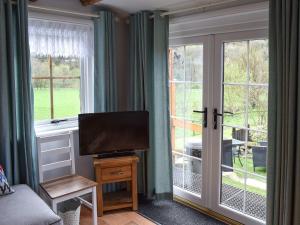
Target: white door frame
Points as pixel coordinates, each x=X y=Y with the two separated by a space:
x=216 y=134
x=205 y=40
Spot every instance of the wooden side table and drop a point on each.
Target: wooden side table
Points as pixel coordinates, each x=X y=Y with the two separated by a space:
x=113 y=170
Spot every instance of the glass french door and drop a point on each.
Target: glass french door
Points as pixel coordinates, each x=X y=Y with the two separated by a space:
x=240 y=125
x=219 y=107
x=188 y=111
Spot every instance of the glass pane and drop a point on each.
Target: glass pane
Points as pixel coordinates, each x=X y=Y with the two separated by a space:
x=177 y=134
x=257 y=156
x=259 y=61
x=193 y=137
x=233 y=148
x=40 y=67
x=42 y=108
x=41 y=90
x=235 y=62
x=177 y=70
x=255 y=203
x=178 y=162
x=192 y=174
x=177 y=99
x=193 y=101
x=194 y=63
x=66 y=98
x=235 y=103
x=233 y=189
x=244 y=192
x=65 y=67
x=258 y=108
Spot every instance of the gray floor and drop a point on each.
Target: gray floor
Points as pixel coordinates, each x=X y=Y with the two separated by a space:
x=167 y=212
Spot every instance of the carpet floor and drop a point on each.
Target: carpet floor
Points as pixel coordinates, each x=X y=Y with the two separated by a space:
x=167 y=212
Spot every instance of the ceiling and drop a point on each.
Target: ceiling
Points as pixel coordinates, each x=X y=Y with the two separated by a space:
x=132 y=6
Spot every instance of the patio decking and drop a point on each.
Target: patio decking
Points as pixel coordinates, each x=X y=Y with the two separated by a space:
x=255 y=205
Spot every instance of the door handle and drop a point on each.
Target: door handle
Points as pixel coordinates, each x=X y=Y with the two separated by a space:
x=216 y=114
x=204 y=122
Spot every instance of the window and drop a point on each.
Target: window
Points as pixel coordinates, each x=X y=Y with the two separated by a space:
x=56 y=83
x=61 y=61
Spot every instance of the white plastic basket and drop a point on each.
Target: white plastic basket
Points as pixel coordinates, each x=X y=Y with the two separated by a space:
x=70 y=213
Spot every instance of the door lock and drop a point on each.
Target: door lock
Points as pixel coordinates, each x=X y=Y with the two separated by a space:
x=216 y=114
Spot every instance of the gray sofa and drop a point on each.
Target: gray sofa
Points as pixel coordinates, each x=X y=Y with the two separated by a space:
x=24 y=207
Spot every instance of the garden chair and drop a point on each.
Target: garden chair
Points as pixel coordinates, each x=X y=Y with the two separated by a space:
x=227 y=155
x=259 y=156
x=239 y=134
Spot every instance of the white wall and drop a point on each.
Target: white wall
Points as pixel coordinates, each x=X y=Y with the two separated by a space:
x=239 y=18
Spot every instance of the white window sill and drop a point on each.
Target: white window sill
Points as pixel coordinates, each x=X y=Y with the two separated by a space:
x=47 y=128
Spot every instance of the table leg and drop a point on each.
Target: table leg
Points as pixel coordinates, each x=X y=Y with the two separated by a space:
x=134 y=187
x=100 y=199
x=54 y=206
x=94 y=202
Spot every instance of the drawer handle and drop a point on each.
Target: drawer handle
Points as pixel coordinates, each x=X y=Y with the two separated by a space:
x=117 y=173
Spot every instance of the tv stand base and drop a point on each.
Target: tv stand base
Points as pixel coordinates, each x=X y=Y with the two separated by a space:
x=113 y=170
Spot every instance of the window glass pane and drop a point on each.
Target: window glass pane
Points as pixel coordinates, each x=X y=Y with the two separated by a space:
x=177 y=99
x=41 y=87
x=235 y=103
x=258 y=108
x=40 y=68
x=41 y=90
x=66 y=67
x=259 y=61
x=193 y=101
x=66 y=87
x=235 y=62
x=194 y=63
x=177 y=72
x=66 y=98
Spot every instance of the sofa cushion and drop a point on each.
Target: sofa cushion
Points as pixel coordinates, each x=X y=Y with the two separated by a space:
x=4 y=186
x=25 y=207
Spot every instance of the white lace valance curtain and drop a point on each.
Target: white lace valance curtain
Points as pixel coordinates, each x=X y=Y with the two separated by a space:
x=59 y=39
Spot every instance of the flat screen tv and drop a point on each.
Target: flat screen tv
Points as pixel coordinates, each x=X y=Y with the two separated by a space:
x=113 y=132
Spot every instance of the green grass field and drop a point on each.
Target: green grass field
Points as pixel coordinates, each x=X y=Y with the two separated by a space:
x=66 y=103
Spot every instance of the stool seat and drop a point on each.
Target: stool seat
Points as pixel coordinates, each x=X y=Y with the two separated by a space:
x=66 y=185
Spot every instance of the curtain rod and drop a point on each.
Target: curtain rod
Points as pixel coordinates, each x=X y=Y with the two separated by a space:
x=202 y=7
x=31 y=6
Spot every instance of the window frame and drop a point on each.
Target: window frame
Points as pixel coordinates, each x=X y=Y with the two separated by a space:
x=86 y=77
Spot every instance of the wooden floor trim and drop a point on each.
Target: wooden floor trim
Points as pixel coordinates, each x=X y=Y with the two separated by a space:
x=206 y=211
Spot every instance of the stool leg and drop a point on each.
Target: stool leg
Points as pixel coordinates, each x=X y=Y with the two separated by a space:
x=54 y=206
x=95 y=218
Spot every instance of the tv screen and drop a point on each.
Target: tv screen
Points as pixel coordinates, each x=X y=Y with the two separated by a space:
x=101 y=133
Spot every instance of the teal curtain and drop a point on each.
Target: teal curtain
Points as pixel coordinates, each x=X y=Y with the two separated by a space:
x=141 y=58
x=105 y=80
x=149 y=85
x=283 y=198
x=17 y=138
